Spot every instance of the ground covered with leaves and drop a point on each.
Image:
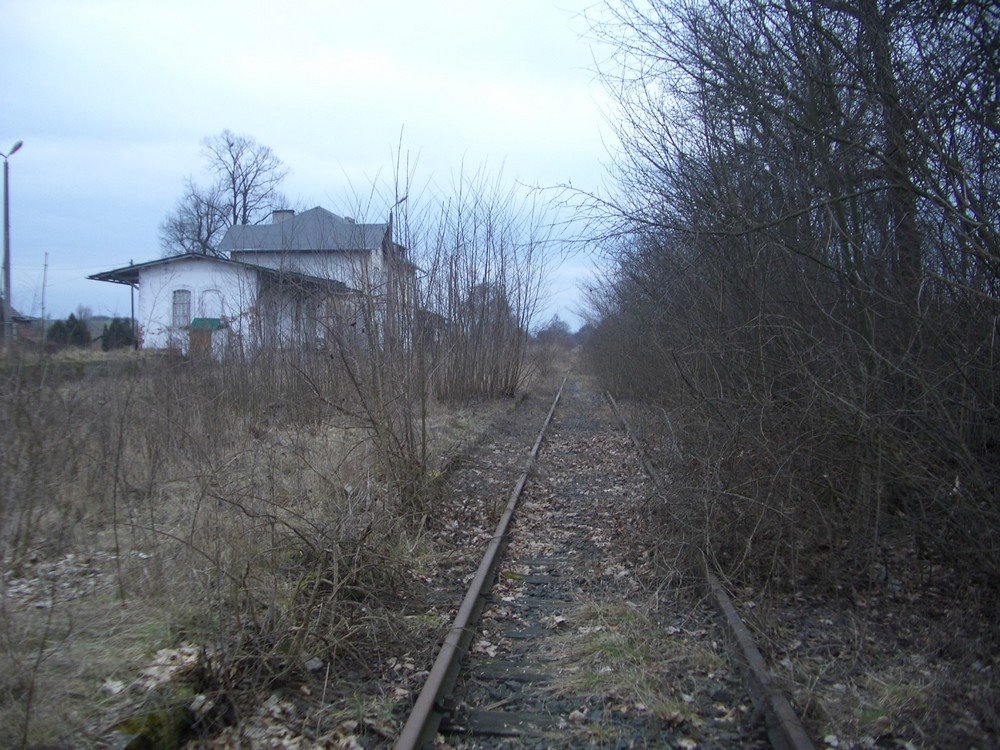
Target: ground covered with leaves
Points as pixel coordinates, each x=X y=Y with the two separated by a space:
x=906 y=654
x=578 y=648
x=596 y=633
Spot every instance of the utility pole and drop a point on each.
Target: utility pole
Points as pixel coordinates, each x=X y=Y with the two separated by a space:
x=131 y=294
x=8 y=305
x=45 y=278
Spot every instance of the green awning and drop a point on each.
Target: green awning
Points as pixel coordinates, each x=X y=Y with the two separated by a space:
x=206 y=324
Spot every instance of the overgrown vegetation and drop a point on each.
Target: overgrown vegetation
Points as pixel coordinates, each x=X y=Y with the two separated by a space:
x=210 y=502
x=483 y=257
x=805 y=277
x=264 y=512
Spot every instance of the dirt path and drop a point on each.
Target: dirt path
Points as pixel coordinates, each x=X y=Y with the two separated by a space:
x=573 y=651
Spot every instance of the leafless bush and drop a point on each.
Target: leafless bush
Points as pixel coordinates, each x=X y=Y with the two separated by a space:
x=483 y=253
x=444 y=319
x=806 y=274
x=551 y=346
x=224 y=494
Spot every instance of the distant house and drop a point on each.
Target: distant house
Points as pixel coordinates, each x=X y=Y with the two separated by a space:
x=23 y=327
x=283 y=284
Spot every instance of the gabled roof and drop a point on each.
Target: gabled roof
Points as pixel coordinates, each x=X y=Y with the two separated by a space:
x=16 y=317
x=130 y=274
x=314 y=230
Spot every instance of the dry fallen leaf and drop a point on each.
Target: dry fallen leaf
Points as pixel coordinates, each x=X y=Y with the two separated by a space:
x=112 y=687
x=483 y=646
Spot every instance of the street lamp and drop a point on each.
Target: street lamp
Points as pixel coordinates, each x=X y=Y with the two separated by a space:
x=8 y=307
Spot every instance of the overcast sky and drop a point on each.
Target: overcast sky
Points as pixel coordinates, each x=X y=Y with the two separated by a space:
x=112 y=100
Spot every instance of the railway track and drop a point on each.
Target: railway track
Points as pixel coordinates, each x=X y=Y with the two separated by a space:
x=511 y=671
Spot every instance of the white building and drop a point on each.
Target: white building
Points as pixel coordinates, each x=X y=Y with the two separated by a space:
x=283 y=284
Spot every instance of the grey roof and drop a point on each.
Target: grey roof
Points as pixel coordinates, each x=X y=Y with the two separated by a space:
x=314 y=230
x=130 y=274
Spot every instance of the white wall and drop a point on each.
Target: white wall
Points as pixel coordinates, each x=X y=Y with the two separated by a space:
x=217 y=291
x=352 y=268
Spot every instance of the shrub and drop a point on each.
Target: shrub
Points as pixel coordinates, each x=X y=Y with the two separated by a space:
x=57 y=334
x=117 y=334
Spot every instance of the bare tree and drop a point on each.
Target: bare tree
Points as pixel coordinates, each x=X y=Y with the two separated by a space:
x=197 y=223
x=246 y=177
x=807 y=268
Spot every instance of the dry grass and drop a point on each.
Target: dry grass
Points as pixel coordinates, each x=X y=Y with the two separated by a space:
x=615 y=653
x=150 y=503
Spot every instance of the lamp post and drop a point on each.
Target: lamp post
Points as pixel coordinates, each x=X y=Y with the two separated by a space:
x=8 y=307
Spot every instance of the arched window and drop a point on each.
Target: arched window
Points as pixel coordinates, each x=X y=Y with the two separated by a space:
x=182 y=308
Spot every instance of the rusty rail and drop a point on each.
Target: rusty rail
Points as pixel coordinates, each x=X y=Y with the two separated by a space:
x=784 y=729
x=783 y=726
x=425 y=717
